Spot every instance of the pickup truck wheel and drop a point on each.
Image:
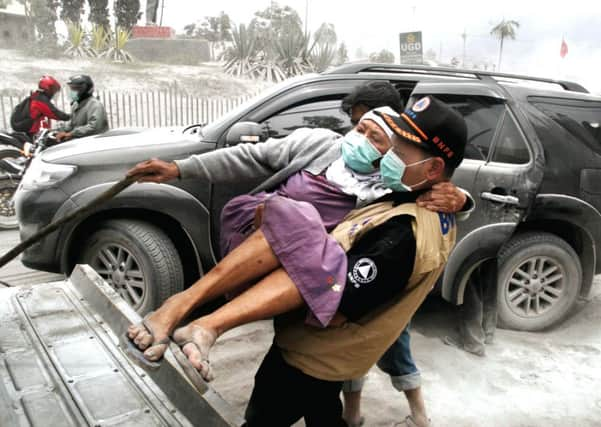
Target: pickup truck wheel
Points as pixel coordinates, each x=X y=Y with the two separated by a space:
x=138 y=260
x=8 y=216
x=540 y=277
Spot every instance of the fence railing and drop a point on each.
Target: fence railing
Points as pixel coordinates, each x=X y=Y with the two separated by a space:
x=142 y=109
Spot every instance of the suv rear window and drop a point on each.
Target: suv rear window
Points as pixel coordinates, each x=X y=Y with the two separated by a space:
x=581 y=119
x=317 y=114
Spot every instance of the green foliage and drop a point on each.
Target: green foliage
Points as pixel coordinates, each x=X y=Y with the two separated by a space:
x=99 y=39
x=278 y=19
x=324 y=51
x=116 y=52
x=341 y=54
x=273 y=46
x=384 y=56
x=99 y=13
x=127 y=13
x=504 y=29
x=292 y=52
x=71 y=10
x=77 y=47
x=240 y=57
x=215 y=29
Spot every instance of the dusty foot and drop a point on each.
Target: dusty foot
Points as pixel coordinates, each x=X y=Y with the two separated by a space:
x=152 y=334
x=196 y=342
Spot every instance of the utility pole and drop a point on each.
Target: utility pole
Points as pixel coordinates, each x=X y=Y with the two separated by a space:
x=464 y=36
x=162 y=8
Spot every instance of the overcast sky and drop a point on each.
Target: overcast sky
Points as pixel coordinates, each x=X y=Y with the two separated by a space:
x=374 y=25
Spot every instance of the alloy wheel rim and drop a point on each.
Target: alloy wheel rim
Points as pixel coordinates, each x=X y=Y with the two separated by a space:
x=535 y=286
x=7 y=206
x=120 y=269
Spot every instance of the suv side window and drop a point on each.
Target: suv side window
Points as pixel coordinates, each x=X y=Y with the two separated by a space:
x=482 y=116
x=510 y=146
x=317 y=114
x=581 y=119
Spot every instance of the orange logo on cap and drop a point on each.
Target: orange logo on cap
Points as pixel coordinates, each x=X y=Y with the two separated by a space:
x=399 y=131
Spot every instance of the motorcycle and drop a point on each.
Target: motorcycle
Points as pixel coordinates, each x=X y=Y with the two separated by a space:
x=16 y=155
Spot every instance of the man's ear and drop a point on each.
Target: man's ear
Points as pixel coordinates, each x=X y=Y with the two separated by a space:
x=435 y=169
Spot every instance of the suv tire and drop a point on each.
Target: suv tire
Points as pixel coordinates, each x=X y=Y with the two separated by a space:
x=8 y=216
x=540 y=277
x=138 y=260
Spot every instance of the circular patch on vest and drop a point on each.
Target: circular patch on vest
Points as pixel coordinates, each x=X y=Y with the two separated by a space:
x=421 y=105
x=365 y=271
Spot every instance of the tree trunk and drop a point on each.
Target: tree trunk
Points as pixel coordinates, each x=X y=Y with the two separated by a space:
x=500 y=54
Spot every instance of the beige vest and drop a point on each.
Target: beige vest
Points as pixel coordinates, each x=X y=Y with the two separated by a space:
x=350 y=350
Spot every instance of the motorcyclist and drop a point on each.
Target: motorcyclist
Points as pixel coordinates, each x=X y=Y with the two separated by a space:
x=41 y=107
x=88 y=113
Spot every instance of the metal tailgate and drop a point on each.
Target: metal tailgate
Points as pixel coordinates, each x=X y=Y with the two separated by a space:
x=61 y=364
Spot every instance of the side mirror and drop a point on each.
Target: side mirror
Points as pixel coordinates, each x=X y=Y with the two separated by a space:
x=243 y=132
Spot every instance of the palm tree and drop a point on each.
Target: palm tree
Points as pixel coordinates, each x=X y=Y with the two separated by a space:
x=504 y=29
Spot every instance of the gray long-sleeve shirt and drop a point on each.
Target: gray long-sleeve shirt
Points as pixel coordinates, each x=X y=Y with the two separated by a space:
x=273 y=160
x=88 y=117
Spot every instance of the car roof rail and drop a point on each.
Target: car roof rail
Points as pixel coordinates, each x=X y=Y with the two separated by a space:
x=370 y=67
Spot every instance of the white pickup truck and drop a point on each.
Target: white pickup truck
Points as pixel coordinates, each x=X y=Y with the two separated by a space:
x=62 y=364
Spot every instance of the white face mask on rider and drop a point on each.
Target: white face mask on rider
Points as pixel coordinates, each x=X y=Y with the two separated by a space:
x=73 y=95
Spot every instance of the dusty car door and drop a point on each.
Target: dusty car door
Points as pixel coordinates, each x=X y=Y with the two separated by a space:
x=499 y=170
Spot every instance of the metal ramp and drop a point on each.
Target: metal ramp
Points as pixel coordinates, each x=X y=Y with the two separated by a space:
x=61 y=364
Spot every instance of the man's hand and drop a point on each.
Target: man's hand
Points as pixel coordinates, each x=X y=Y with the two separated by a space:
x=443 y=197
x=155 y=170
x=62 y=136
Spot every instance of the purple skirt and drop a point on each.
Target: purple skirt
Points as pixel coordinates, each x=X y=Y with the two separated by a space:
x=312 y=258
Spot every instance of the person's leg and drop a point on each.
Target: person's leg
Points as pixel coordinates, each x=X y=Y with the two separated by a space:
x=398 y=362
x=249 y=261
x=489 y=277
x=283 y=394
x=277 y=396
x=276 y=293
x=351 y=393
x=470 y=312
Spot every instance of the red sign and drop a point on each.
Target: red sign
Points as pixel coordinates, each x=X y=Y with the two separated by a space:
x=139 y=32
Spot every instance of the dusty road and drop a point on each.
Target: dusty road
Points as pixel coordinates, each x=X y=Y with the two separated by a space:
x=546 y=379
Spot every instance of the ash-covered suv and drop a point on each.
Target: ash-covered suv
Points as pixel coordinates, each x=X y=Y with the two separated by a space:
x=533 y=164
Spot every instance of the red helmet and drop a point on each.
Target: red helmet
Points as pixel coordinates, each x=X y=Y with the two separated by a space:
x=49 y=85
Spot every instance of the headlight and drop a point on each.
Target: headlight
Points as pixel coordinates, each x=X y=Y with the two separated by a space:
x=41 y=174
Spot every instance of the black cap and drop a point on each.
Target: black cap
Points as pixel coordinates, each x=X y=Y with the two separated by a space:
x=434 y=126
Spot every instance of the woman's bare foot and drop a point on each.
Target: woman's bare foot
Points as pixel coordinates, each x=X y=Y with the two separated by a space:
x=152 y=334
x=196 y=342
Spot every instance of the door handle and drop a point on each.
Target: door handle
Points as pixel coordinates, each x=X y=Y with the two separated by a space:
x=499 y=198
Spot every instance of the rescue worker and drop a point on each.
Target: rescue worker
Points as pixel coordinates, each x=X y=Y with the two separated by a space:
x=88 y=116
x=302 y=374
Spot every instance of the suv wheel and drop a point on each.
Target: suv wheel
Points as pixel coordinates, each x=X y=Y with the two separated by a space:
x=540 y=277
x=138 y=260
x=8 y=216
